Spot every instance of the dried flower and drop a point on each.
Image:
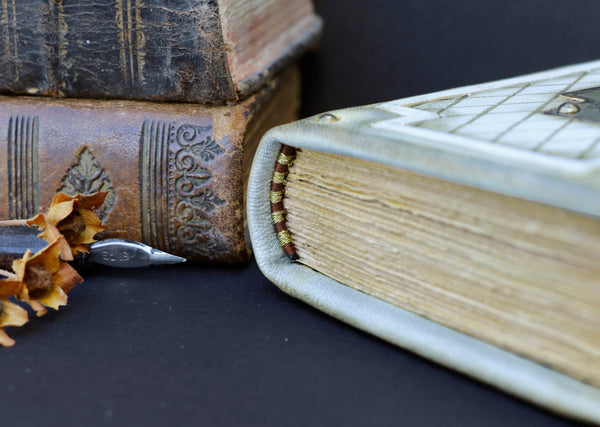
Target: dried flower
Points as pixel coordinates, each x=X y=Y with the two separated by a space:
x=42 y=279
x=10 y=313
x=71 y=221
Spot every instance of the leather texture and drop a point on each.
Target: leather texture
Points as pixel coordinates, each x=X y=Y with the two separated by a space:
x=153 y=50
x=174 y=173
x=352 y=132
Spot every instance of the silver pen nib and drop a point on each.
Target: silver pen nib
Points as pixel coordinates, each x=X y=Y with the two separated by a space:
x=128 y=254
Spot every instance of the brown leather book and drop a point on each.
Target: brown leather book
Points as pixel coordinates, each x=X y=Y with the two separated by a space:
x=159 y=50
x=175 y=173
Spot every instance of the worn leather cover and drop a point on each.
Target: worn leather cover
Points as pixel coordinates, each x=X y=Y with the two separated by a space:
x=151 y=50
x=174 y=172
x=389 y=133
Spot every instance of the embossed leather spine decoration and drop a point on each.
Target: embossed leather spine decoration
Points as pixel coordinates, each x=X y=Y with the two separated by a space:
x=174 y=172
x=175 y=163
x=22 y=166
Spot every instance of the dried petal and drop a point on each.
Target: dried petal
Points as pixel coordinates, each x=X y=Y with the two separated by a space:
x=51 y=234
x=48 y=257
x=37 y=277
x=44 y=278
x=10 y=315
x=72 y=217
x=92 y=201
x=11 y=285
x=72 y=226
x=54 y=297
x=67 y=277
x=59 y=211
x=93 y=225
x=39 y=309
x=5 y=340
x=15 y=285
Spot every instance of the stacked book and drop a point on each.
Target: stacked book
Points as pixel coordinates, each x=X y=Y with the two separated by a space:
x=160 y=103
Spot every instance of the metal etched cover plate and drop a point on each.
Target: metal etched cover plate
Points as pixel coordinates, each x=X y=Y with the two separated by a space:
x=539 y=114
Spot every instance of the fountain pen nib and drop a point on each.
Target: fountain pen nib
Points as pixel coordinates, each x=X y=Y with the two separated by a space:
x=128 y=254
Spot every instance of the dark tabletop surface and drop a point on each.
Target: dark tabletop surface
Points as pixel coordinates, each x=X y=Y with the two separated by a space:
x=214 y=345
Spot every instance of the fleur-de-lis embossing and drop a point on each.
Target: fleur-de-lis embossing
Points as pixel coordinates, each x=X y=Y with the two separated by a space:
x=208 y=200
x=208 y=149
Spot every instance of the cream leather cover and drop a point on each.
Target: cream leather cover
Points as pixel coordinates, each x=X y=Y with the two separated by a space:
x=520 y=136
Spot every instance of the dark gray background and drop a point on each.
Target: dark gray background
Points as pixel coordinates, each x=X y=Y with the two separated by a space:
x=207 y=345
x=384 y=49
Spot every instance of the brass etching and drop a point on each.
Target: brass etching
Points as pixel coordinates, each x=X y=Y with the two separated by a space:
x=86 y=177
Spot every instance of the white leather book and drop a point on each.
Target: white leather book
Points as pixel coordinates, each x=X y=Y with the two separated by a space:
x=489 y=263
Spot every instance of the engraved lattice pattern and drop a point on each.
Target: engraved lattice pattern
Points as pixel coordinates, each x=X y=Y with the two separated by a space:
x=514 y=116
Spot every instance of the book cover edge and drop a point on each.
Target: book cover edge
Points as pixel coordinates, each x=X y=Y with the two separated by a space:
x=565 y=183
x=489 y=364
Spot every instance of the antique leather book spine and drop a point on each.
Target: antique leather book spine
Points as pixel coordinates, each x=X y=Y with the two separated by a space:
x=175 y=173
x=184 y=50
